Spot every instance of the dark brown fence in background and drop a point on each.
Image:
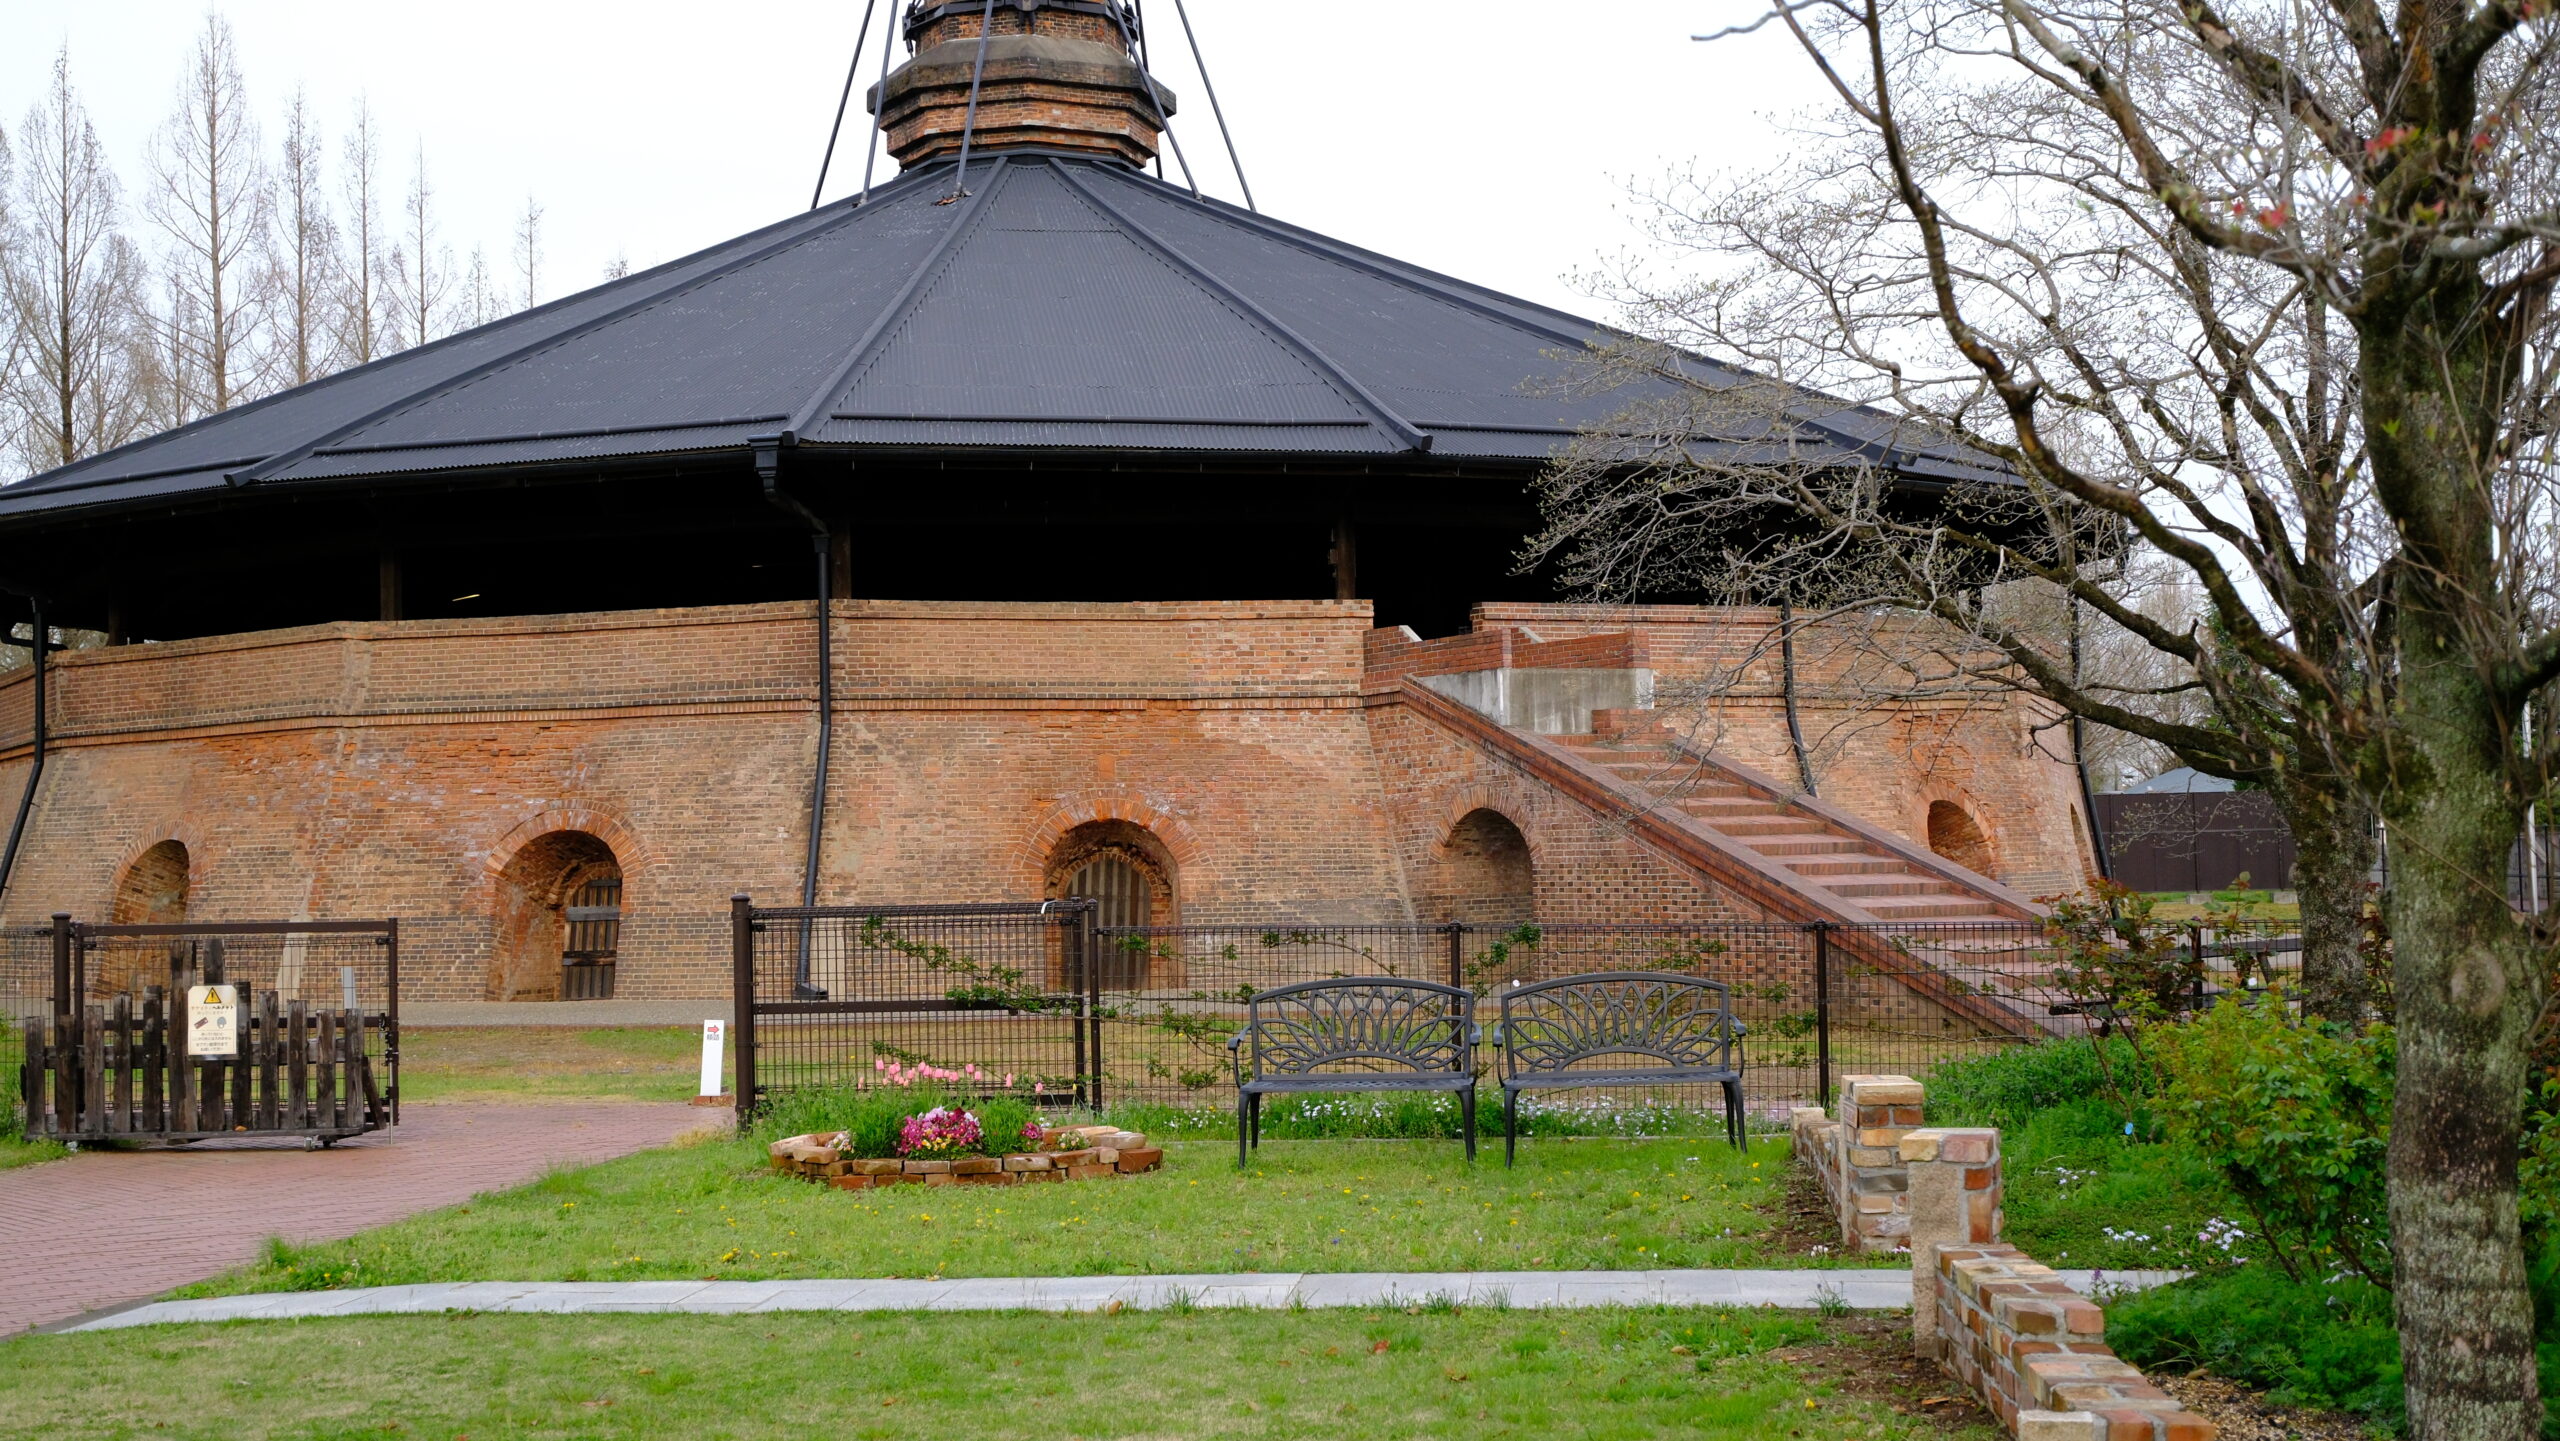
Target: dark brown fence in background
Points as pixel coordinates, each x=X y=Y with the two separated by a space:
x=2195 y=840
x=1047 y=1004
x=318 y=1024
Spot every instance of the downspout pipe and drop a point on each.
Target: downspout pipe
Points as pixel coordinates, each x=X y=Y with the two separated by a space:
x=37 y=649
x=769 y=471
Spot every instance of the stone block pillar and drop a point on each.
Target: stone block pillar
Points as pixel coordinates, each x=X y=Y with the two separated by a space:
x=1876 y=1112
x=1953 y=1186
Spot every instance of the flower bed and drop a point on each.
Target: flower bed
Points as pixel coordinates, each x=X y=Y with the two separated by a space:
x=1081 y=1153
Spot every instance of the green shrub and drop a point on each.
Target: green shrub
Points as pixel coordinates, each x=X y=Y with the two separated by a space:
x=2005 y=1088
x=2297 y=1118
x=2307 y=1343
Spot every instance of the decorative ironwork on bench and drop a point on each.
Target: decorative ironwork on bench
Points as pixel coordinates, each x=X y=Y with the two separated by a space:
x=1659 y=1029
x=1356 y=1034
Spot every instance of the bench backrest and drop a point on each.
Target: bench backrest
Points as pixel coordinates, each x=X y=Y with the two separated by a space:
x=1359 y=1023
x=1658 y=1021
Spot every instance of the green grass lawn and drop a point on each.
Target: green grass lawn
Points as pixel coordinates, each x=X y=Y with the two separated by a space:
x=713 y=1209
x=1597 y=1374
x=17 y=1151
x=521 y=1063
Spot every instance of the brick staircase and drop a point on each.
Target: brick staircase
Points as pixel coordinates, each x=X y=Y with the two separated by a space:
x=1859 y=873
x=1941 y=929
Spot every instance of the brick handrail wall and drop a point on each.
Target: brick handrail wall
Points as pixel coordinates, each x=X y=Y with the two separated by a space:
x=2028 y=1347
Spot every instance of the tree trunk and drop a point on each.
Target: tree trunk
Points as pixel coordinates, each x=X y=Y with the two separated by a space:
x=2333 y=862
x=2467 y=993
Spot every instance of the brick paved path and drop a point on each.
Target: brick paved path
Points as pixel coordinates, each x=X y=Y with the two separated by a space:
x=105 y=1227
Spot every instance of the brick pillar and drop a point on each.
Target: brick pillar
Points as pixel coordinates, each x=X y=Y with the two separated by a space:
x=1953 y=1184
x=1875 y=1113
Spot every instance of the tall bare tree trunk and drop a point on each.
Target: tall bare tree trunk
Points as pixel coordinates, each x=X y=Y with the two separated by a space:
x=72 y=285
x=2334 y=851
x=2466 y=984
x=211 y=198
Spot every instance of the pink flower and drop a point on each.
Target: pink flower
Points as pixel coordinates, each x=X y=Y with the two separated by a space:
x=941 y=1131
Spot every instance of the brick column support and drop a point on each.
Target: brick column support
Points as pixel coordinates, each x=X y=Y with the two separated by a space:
x=1875 y=1113
x=1953 y=1182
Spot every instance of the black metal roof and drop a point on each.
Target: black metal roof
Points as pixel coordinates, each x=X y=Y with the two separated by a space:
x=1065 y=304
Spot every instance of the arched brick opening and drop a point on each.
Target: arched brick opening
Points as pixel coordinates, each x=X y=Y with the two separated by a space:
x=1129 y=871
x=153 y=889
x=533 y=890
x=1955 y=834
x=1490 y=880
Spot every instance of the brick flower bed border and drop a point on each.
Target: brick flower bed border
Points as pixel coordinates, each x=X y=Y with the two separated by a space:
x=811 y=1157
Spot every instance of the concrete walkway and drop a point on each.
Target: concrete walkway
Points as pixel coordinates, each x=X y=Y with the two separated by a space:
x=1872 y=1290
x=105 y=1228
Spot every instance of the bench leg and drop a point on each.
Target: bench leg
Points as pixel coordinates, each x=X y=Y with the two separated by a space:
x=1510 y=1124
x=1467 y=1118
x=1244 y=1104
x=1257 y=1120
x=1733 y=1114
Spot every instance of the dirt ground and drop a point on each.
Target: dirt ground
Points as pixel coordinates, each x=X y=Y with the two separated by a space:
x=1870 y=1357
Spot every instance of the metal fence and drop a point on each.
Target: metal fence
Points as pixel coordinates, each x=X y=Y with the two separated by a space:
x=832 y=995
x=1042 y=1001
x=26 y=994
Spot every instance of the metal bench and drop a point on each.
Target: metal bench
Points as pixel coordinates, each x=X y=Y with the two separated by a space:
x=1355 y=1035
x=1683 y=1025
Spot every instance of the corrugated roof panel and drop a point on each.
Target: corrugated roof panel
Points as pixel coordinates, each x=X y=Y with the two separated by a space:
x=754 y=339
x=1048 y=310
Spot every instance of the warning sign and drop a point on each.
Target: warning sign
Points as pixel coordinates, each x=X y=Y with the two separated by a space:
x=213 y=1020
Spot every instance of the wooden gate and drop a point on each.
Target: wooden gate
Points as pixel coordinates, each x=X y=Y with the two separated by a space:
x=229 y=1045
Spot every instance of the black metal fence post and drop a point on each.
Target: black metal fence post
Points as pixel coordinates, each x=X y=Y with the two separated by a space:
x=62 y=997
x=1822 y=1011
x=742 y=1005
x=391 y=1011
x=1092 y=1018
x=1076 y=947
x=1457 y=953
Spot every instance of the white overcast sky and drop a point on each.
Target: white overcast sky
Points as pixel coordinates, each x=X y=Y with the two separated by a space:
x=1492 y=140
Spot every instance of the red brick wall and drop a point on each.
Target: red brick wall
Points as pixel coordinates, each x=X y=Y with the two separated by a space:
x=373 y=769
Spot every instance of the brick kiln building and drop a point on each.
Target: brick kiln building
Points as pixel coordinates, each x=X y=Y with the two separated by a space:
x=1132 y=507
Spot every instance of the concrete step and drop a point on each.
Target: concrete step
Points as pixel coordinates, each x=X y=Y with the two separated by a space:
x=1911 y=886
x=1949 y=908
x=1780 y=847
x=1773 y=826
x=1859 y=866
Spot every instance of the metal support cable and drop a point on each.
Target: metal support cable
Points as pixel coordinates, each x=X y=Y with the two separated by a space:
x=1147 y=87
x=969 y=121
x=1214 y=108
x=852 y=68
x=879 y=101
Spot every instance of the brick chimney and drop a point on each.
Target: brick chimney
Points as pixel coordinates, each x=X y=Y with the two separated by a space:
x=1058 y=76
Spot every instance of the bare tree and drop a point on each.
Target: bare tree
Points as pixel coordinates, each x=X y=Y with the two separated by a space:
x=422 y=267
x=481 y=300
x=305 y=259
x=528 y=255
x=364 y=288
x=2264 y=291
x=71 y=281
x=210 y=197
